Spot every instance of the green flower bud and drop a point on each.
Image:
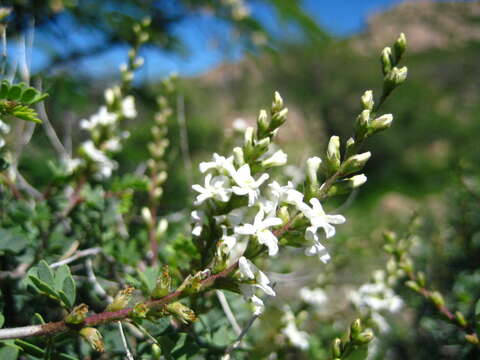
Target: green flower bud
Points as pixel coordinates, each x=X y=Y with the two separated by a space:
x=238 y=156
x=121 y=300
x=355 y=163
x=472 y=339
x=345 y=186
x=365 y=337
x=413 y=285
x=279 y=158
x=381 y=123
x=333 y=155
x=284 y=214
x=421 y=279
x=147 y=216
x=164 y=283
x=312 y=186
x=277 y=104
x=337 y=348
x=355 y=329
x=349 y=147
x=181 y=312
x=262 y=123
x=140 y=310
x=389 y=237
x=362 y=125
x=249 y=138
x=367 y=100
x=437 y=299
x=460 y=319
x=386 y=60
x=93 y=337
x=394 y=78
x=77 y=315
x=278 y=119
x=399 y=47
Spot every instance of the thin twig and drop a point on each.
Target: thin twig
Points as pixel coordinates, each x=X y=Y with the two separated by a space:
x=76 y=256
x=93 y=280
x=240 y=337
x=182 y=123
x=228 y=312
x=124 y=341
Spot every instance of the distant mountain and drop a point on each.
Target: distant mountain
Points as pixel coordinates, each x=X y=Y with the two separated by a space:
x=427 y=24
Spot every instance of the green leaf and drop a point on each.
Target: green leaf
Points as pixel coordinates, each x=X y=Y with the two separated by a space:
x=360 y=353
x=60 y=275
x=8 y=353
x=29 y=95
x=69 y=290
x=29 y=348
x=25 y=113
x=477 y=310
x=12 y=240
x=45 y=274
x=43 y=287
x=184 y=348
x=4 y=89
x=2 y=320
x=14 y=92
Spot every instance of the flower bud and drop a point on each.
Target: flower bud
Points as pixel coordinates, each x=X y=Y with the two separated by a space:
x=249 y=140
x=394 y=78
x=381 y=123
x=472 y=339
x=147 y=216
x=279 y=158
x=399 y=47
x=277 y=103
x=437 y=299
x=262 y=123
x=278 y=119
x=163 y=285
x=77 y=315
x=345 y=186
x=162 y=227
x=337 y=348
x=181 y=312
x=333 y=155
x=349 y=147
x=365 y=337
x=367 y=100
x=93 y=337
x=389 y=237
x=284 y=214
x=421 y=279
x=121 y=300
x=460 y=319
x=140 y=310
x=362 y=124
x=238 y=156
x=386 y=60
x=355 y=329
x=355 y=163
x=413 y=285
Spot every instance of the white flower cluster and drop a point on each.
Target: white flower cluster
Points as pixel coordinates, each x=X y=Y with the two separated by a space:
x=375 y=297
x=258 y=211
x=296 y=337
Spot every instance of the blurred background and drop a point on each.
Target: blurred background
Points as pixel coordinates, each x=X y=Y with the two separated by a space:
x=231 y=56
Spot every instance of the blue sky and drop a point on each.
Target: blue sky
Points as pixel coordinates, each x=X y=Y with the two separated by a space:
x=339 y=17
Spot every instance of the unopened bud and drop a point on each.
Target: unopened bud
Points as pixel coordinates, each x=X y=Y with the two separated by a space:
x=163 y=285
x=395 y=77
x=365 y=337
x=147 y=216
x=313 y=164
x=181 y=312
x=472 y=339
x=140 y=310
x=93 y=337
x=386 y=60
x=278 y=118
x=421 y=279
x=284 y=214
x=349 y=147
x=277 y=103
x=279 y=158
x=460 y=319
x=345 y=186
x=367 y=100
x=437 y=299
x=355 y=329
x=333 y=155
x=399 y=47
x=77 y=315
x=381 y=123
x=121 y=300
x=162 y=227
x=362 y=124
x=389 y=237
x=238 y=156
x=413 y=285
x=355 y=163
x=337 y=348
x=262 y=122
x=248 y=139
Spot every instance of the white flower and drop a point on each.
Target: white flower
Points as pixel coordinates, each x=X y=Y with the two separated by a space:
x=216 y=188
x=198 y=219
x=112 y=144
x=260 y=229
x=316 y=297
x=239 y=125
x=128 y=107
x=246 y=184
x=255 y=279
x=104 y=163
x=102 y=118
x=72 y=164
x=285 y=194
x=319 y=219
x=376 y=296
x=279 y=158
x=220 y=163
x=296 y=337
x=315 y=247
